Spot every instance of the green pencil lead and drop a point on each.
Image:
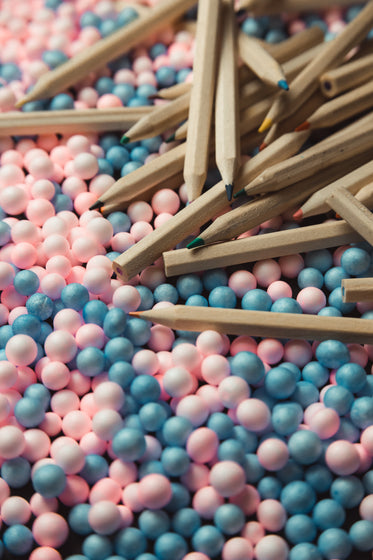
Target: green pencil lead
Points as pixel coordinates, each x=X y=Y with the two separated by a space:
x=197 y=242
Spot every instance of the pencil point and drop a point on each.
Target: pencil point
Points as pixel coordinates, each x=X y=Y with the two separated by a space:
x=170 y=139
x=96 y=205
x=303 y=126
x=197 y=242
x=266 y=124
x=283 y=85
x=298 y=214
x=239 y=193
x=229 y=191
x=135 y=313
x=262 y=146
x=20 y=103
x=124 y=139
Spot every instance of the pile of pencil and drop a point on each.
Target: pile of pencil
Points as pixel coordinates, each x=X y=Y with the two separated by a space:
x=242 y=88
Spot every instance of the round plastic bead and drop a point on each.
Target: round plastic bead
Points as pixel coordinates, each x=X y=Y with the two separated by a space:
x=334 y=543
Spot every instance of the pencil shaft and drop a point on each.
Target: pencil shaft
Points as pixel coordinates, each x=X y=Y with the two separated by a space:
x=262 y=63
x=357 y=289
x=202 y=97
x=173 y=92
x=70 y=121
x=258 y=247
x=353 y=211
x=347 y=76
x=276 y=7
x=185 y=222
x=109 y=48
x=227 y=135
x=263 y=323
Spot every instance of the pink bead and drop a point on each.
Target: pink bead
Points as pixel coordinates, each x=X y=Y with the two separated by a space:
x=271 y=514
x=131 y=498
x=228 y=478
x=123 y=473
x=165 y=200
x=247 y=499
x=266 y=272
x=237 y=549
x=21 y=350
x=279 y=289
x=11 y=174
x=273 y=454
x=291 y=265
x=140 y=211
x=51 y=424
x=358 y=354
x=8 y=375
x=161 y=338
x=233 y=390
x=154 y=491
x=55 y=375
x=37 y=445
x=39 y=210
x=39 y=504
x=99 y=184
x=196 y=477
x=4 y=491
x=43 y=188
x=12 y=442
x=253 y=414
x=241 y=282
x=325 y=423
x=88 y=405
x=76 y=491
x=187 y=356
x=342 y=457
x=61 y=346
x=178 y=382
x=109 y=395
x=90 y=335
x=84 y=200
x=7 y=274
x=202 y=445
x=122 y=241
x=270 y=350
x=101 y=229
x=4 y=408
x=50 y=529
x=73 y=186
x=125 y=76
x=64 y=401
x=253 y=532
x=104 y=517
x=45 y=553
x=298 y=352
x=90 y=443
x=193 y=408
x=68 y=320
x=15 y=510
x=272 y=547
x=145 y=362
x=196 y=556
x=140 y=229
x=24 y=255
x=366 y=508
x=106 y=423
x=311 y=300
x=11 y=298
x=25 y=231
x=210 y=396
x=366 y=439
x=105 y=489
x=365 y=459
x=75 y=424
x=109 y=100
x=210 y=342
x=206 y=501
x=214 y=369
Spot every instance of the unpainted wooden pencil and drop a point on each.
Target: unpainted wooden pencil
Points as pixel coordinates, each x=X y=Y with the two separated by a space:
x=353 y=211
x=348 y=76
x=357 y=289
x=276 y=7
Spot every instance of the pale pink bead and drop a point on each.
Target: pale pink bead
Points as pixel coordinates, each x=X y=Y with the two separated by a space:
x=273 y=454
x=21 y=350
x=122 y=241
x=47 y=141
x=4 y=491
x=109 y=395
x=106 y=423
x=228 y=478
x=101 y=229
x=61 y=346
x=52 y=285
x=154 y=491
x=140 y=229
x=210 y=396
x=14 y=199
x=196 y=556
x=76 y=274
x=37 y=445
x=291 y=265
x=4 y=408
x=12 y=442
x=266 y=272
x=88 y=405
x=253 y=532
x=104 y=517
x=90 y=443
x=237 y=549
x=10 y=174
x=76 y=491
x=206 y=501
x=366 y=439
x=358 y=354
x=15 y=510
x=365 y=459
x=40 y=505
x=311 y=410
x=161 y=338
x=7 y=274
x=64 y=401
x=84 y=200
x=78 y=383
x=11 y=156
x=76 y=424
x=253 y=414
x=84 y=248
x=202 y=445
x=131 y=498
x=272 y=547
x=51 y=424
x=8 y=375
x=125 y=76
x=366 y=508
x=342 y=458
x=325 y=423
x=41 y=167
x=109 y=100
x=39 y=210
x=193 y=408
x=298 y=352
x=88 y=94
x=45 y=553
x=68 y=320
x=50 y=529
x=270 y=350
x=233 y=390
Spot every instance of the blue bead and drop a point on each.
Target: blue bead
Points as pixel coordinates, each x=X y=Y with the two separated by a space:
x=355 y=261
x=166 y=292
x=95 y=468
x=213 y=278
x=335 y=299
x=114 y=322
x=351 y=376
x=138 y=331
x=327 y=514
x=75 y=295
x=127 y=15
x=150 y=467
x=254 y=27
x=361 y=412
x=94 y=312
x=90 y=361
x=120 y=222
x=321 y=259
x=339 y=398
x=145 y=90
x=40 y=305
x=180 y=498
x=286 y=417
x=129 y=444
x=6 y=333
x=54 y=58
x=145 y=388
x=16 y=472
x=125 y=92
x=209 y=540
x=347 y=431
x=319 y=477
x=122 y=373
x=38 y=392
x=157 y=49
x=133 y=421
x=104 y=167
x=49 y=480
x=197 y=300
x=52 y=4
x=186 y=522
x=18 y=539
x=361 y=534
x=256 y=300
x=27 y=324
x=298 y=497
x=332 y=353
x=368 y=482
x=222 y=296
x=221 y=424
x=89 y=19
x=138 y=102
x=275 y=36
x=248 y=439
x=152 y=416
x=253 y=469
x=129 y=167
x=109 y=139
x=10 y=72
x=280 y=382
x=175 y=461
x=231 y=450
x=62 y=202
x=117 y=156
x=248 y=366
x=305 y=393
x=300 y=528
x=29 y=413
x=130 y=543
x=347 y=490
x=310 y=277
x=286 y=305
x=305 y=447
x=139 y=154
x=147 y=299
x=335 y=543
x=182 y=75
x=229 y=519
x=153 y=523
x=78 y=519
x=4 y=233
x=165 y=76
x=170 y=546
x=119 y=349
x=334 y=276
x=97 y=547
x=269 y=488
x=305 y=551
x=176 y=430
x=61 y=102
x=315 y=373
x=189 y=285
x=152 y=144
x=107 y=27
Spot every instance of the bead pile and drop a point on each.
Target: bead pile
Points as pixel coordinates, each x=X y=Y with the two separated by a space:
x=125 y=441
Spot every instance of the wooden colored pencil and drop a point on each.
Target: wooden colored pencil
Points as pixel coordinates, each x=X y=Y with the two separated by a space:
x=258 y=247
x=331 y=55
x=351 y=140
x=70 y=121
x=353 y=211
x=262 y=63
x=202 y=97
x=357 y=289
x=276 y=7
x=341 y=108
x=107 y=49
x=253 y=213
x=227 y=133
x=190 y=218
x=365 y=195
x=353 y=181
x=160 y=119
x=347 y=76
x=261 y=323
x=172 y=92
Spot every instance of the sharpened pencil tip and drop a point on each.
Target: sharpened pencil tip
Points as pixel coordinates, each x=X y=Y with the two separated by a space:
x=239 y=193
x=170 y=139
x=96 y=205
x=124 y=139
x=229 y=191
x=266 y=124
x=135 y=313
x=197 y=242
x=298 y=214
x=262 y=146
x=20 y=103
x=303 y=126
x=283 y=85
